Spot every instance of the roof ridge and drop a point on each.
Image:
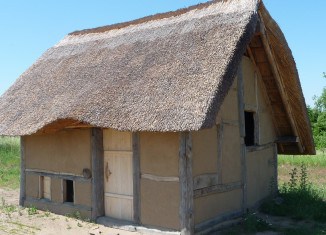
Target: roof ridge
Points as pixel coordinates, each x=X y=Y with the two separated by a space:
x=145 y=19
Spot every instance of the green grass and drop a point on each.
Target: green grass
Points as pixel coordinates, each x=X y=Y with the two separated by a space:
x=9 y=162
x=301 y=200
x=318 y=160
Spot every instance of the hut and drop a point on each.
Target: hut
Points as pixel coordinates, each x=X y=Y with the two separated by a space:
x=172 y=121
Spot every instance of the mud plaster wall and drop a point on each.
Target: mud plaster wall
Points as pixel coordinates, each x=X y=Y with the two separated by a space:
x=204 y=147
x=207 y=207
x=32 y=186
x=83 y=193
x=159 y=156
x=66 y=151
x=228 y=120
x=260 y=172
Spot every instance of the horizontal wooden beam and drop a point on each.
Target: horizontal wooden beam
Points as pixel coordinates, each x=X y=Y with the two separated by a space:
x=205 y=180
x=260 y=147
x=160 y=178
x=287 y=139
x=220 y=188
x=58 y=175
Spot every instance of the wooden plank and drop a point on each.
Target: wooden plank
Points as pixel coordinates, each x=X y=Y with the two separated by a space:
x=219 y=152
x=120 y=207
x=118 y=174
x=265 y=69
x=186 y=184
x=205 y=180
x=22 y=193
x=260 y=55
x=117 y=140
x=251 y=56
x=160 y=178
x=117 y=152
x=122 y=196
x=57 y=175
x=218 y=188
x=136 y=177
x=251 y=107
x=288 y=139
x=97 y=172
x=255 y=42
x=259 y=147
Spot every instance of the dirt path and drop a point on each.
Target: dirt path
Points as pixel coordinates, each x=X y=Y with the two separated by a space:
x=26 y=221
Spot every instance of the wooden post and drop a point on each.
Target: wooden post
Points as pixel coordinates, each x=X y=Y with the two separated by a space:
x=22 y=194
x=242 y=130
x=97 y=172
x=220 y=129
x=136 y=177
x=186 y=184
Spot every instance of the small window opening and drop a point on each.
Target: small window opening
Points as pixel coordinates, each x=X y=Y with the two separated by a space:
x=250 y=128
x=69 y=192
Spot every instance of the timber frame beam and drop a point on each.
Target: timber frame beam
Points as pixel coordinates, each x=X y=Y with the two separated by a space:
x=186 y=212
x=136 y=176
x=97 y=172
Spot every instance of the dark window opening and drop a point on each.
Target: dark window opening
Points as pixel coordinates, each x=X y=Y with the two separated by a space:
x=250 y=128
x=69 y=197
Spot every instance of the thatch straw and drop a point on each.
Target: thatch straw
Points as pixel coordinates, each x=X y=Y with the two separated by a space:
x=166 y=74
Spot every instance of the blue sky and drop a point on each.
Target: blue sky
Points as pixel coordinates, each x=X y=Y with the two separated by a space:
x=29 y=28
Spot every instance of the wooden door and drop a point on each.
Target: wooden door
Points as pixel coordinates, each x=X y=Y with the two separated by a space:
x=118 y=175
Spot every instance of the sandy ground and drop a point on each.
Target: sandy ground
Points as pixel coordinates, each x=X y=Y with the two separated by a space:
x=17 y=220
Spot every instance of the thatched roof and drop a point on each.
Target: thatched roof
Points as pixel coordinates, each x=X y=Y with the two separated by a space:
x=167 y=72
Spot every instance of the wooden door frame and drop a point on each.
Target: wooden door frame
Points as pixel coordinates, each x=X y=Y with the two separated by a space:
x=97 y=158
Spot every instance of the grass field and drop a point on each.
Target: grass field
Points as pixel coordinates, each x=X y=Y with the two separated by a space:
x=9 y=162
x=316 y=169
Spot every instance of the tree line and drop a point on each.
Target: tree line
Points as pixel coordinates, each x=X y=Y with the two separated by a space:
x=317 y=116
